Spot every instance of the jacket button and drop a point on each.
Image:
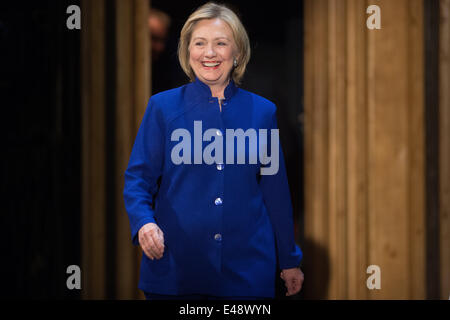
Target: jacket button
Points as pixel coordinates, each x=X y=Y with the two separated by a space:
x=218 y=237
x=220 y=167
x=218 y=202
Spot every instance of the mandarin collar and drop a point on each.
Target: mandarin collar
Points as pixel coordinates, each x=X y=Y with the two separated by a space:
x=200 y=90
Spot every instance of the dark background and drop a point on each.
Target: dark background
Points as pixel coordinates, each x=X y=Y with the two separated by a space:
x=41 y=123
x=40 y=184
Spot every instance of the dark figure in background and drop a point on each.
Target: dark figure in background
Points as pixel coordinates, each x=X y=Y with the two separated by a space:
x=165 y=72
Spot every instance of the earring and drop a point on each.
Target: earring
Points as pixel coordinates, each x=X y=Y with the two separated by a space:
x=235 y=63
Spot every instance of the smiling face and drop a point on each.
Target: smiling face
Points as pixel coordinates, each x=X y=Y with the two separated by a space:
x=211 y=51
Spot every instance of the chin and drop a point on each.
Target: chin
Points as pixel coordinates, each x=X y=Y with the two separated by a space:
x=211 y=78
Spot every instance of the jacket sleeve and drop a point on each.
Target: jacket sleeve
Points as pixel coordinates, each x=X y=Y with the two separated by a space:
x=144 y=168
x=277 y=199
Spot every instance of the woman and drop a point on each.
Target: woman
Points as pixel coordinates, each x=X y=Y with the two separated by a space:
x=219 y=222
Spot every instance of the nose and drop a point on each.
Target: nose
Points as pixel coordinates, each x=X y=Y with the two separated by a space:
x=209 y=51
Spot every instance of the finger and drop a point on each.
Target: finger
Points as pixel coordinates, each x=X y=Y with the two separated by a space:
x=149 y=253
x=291 y=291
x=161 y=239
x=146 y=247
x=142 y=242
x=288 y=287
x=291 y=287
x=152 y=247
x=287 y=283
x=161 y=236
x=296 y=288
x=157 y=241
x=158 y=249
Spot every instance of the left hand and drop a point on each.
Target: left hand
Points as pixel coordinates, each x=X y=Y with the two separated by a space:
x=293 y=280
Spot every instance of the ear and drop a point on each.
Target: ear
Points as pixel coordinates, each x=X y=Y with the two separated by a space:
x=237 y=55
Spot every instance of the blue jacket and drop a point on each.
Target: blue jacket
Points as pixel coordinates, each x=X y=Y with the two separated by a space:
x=225 y=226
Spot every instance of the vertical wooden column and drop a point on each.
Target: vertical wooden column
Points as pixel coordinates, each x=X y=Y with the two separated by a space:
x=316 y=258
x=357 y=150
x=396 y=150
x=364 y=144
x=337 y=146
x=444 y=161
x=416 y=214
x=93 y=150
x=127 y=99
x=132 y=94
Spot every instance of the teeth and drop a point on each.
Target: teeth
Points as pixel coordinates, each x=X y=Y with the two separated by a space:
x=211 y=64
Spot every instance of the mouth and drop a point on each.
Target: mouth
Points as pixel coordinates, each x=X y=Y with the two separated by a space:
x=211 y=64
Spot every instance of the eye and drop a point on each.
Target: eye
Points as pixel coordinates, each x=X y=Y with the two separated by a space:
x=222 y=44
x=198 y=43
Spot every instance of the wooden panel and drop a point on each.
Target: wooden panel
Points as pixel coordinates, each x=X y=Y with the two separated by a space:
x=444 y=115
x=316 y=263
x=431 y=13
x=141 y=61
x=132 y=94
x=124 y=127
x=388 y=150
x=337 y=121
x=364 y=150
x=132 y=91
x=357 y=150
x=142 y=80
x=93 y=150
x=416 y=142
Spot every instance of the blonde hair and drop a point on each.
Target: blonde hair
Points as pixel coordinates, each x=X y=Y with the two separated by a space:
x=213 y=10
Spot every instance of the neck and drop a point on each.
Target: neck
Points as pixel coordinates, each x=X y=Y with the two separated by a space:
x=218 y=90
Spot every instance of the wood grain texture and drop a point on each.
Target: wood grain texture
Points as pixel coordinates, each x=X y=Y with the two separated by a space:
x=124 y=128
x=388 y=151
x=337 y=147
x=444 y=127
x=364 y=149
x=357 y=145
x=93 y=150
x=132 y=94
x=416 y=136
x=316 y=149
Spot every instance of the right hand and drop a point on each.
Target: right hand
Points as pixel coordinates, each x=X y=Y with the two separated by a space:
x=151 y=240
